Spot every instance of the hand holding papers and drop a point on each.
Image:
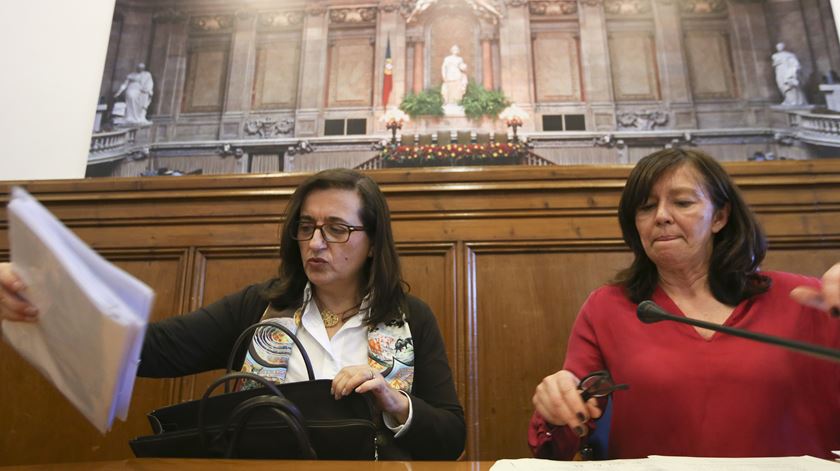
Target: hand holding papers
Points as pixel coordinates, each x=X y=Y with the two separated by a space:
x=92 y=315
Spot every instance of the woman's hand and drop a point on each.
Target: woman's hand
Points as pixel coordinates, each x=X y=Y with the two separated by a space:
x=13 y=306
x=362 y=379
x=558 y=401
x=827 y=298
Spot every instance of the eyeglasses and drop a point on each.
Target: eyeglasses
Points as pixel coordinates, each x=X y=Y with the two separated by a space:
x=596 y=384
x=331 y=232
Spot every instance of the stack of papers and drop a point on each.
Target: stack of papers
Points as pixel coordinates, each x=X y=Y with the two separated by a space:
x=92 y=315
x=672 y=463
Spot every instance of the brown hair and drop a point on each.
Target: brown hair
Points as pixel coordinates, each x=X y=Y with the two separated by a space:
x=382 y=277
x=739 y=247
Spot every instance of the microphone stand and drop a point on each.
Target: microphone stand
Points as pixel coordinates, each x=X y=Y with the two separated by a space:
x=650 y=312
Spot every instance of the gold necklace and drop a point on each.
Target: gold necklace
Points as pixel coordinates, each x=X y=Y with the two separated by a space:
x=331 y=319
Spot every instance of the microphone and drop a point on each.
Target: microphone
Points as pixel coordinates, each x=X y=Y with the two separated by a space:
x=650 y=312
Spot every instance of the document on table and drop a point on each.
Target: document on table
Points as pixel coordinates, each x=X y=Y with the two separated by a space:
x=672 y=463
x=92 y=315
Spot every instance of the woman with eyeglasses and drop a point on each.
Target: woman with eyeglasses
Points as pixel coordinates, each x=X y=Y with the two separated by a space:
x=694 y=392
x=340 y=289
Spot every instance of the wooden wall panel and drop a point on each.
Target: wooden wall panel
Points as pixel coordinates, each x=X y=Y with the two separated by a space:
x=430 y=270
x=527 y=300
x=219 y=272
x=40 y=426
x=503 y=256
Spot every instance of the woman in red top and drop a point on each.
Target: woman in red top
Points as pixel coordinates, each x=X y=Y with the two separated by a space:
x=695 y=392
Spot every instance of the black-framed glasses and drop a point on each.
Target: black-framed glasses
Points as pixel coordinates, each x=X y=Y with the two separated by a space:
x=331 y=232
x=595 y=384
x=598 y=384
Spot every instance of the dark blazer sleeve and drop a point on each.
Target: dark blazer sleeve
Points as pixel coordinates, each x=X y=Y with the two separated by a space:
x=437 y=430
x=201 y=340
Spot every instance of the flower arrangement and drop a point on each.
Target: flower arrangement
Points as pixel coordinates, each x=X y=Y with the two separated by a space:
x=513 y=115
x=453 y=154
x=394 y=117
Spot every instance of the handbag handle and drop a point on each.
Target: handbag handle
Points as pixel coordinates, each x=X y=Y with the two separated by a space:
x=273 y=322
x=202 y=406
x=280 y=406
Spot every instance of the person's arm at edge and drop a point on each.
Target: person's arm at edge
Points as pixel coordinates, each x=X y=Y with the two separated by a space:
x=437 y=430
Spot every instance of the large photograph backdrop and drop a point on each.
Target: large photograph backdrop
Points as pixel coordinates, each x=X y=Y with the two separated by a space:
x=272 y=86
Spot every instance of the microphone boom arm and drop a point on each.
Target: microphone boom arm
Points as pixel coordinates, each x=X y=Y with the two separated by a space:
x=650 y=312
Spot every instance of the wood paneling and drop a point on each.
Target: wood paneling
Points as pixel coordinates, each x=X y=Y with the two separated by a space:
x=40 y=426
x=503 y=256
x=527 y=298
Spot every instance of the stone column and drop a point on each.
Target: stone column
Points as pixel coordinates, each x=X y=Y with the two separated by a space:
x=168 y=63
x=515 y=49
x=672 y=65
x=751 y=50
x=418 y=82
x=487 y=63
x=135 y=42
x=313 y=64
x=595 y=62
x=240 y=75
x=673 y=70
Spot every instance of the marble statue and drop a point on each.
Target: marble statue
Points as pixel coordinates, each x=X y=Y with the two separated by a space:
x=138 y=87
x=787 y=76
x=454 y=75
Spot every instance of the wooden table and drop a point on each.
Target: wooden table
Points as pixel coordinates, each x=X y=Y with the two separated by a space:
x=144 y=464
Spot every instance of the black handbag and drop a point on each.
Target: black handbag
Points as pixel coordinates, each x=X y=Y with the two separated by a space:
x=278 y=421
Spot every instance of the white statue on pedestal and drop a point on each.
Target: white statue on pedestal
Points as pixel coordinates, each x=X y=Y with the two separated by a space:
x=138 y=87
x=455 y=79
x=787 y=77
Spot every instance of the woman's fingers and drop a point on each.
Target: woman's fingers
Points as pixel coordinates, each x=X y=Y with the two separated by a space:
x=349 y=379
x=13 y=306
x=559 y=402
x=825 y=298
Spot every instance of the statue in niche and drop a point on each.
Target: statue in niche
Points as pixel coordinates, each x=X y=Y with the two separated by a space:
x=138 y=87
x=454 y=75
x=787 y=76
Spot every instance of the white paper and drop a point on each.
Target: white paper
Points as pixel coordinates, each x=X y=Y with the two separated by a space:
x=672 y=463
x=92 y=315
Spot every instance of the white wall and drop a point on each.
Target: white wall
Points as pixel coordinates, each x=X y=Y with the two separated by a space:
x=52 y=54
x=835 y=9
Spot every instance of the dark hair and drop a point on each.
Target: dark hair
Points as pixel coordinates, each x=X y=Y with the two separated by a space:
x=738 y=248
x=381 y=274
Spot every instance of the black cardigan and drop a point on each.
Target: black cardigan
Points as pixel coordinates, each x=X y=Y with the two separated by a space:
x=202 y=340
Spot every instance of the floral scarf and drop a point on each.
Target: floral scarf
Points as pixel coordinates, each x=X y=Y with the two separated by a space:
x=390 y=346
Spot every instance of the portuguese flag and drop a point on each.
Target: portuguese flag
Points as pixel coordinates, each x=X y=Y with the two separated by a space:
x=388 y=81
